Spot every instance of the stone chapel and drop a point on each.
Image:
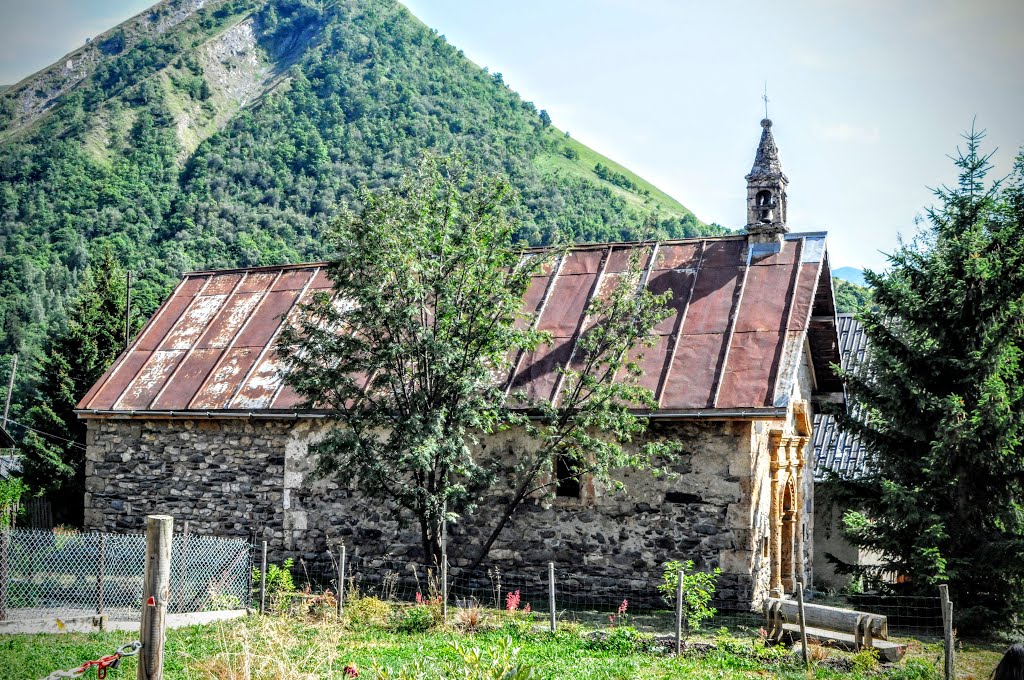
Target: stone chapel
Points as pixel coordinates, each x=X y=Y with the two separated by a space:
x=194 y=419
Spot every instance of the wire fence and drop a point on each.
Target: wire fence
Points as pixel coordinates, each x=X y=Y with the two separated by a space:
x=586 y=599
x=56 y=574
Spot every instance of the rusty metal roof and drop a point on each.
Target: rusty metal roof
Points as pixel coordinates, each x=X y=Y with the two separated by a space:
x=834 y=450
x=743 y=315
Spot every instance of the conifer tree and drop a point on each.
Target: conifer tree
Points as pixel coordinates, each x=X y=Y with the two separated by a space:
x=941 y=400
x=54 y=462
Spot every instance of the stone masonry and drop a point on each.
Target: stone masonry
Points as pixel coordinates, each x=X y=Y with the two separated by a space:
x=249 y=477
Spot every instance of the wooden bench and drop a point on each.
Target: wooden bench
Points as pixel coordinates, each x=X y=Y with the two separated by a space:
x=845 y=628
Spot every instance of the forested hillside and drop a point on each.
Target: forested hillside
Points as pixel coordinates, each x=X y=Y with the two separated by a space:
x=228 y=133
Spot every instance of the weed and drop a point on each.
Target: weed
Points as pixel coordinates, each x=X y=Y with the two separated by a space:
x=416 y=619
x=622 y=640
x=866 y=660
x=367 y=612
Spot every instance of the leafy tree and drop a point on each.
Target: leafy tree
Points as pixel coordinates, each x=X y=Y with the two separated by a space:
x=545 y=118
x=849 y=296
x=432 y=284
x=593 y=421
x=941 y=399
x=54 y=446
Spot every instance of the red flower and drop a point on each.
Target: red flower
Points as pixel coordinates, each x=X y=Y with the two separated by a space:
x=350 y=671
x=512 y=601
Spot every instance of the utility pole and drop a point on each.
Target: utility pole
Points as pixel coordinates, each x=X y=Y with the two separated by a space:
x=10 y=389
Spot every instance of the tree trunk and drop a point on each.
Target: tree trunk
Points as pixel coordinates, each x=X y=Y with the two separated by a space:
x=510 y=509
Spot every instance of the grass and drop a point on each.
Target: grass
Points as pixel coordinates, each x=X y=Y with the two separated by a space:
x=273 y=647
x=583 y=166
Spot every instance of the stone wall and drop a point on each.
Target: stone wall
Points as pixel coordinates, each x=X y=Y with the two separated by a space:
x=250 y=477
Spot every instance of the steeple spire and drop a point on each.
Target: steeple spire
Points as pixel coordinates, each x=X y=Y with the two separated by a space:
x=766 y=187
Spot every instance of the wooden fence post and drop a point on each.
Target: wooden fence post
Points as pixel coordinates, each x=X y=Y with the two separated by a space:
x=679 y=614
x=949 y=662
x=155 y=595
x=551 y=593
x=100 y=559
x=803 y=623
x=263 y=580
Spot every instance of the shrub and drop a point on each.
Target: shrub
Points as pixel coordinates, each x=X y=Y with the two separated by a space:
x=866 y=660
x=622 y=640
x=698 y=589
x=279 y=584
x=416 y=619
x=365 y=612
x=470 y=618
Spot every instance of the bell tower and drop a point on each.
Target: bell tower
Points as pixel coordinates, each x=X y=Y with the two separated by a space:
x=766 y=188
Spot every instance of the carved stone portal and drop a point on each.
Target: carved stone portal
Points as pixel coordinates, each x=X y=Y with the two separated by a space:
x=787 y=516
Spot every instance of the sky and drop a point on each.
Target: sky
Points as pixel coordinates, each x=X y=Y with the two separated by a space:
x=868 y=97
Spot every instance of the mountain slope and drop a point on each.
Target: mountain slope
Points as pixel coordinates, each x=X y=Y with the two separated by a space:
x=851 y=274
x=228 y=133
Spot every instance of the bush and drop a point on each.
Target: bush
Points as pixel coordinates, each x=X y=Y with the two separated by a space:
x=279 y=584
x=622 y=640
x=366 y=612
x=866 y=660
x=416 y=619
x=698 y=589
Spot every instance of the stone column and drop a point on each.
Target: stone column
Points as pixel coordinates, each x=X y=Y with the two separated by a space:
x=775 y=518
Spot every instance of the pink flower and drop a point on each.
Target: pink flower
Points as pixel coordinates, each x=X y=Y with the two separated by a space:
x=512 y=601
x=623 y=606
x=526 y=609
x=419 y=598
x=350 y=671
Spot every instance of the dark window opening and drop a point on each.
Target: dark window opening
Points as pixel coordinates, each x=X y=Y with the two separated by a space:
x=567 y=481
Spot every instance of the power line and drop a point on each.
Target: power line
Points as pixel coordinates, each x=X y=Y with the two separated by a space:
x=47 y=434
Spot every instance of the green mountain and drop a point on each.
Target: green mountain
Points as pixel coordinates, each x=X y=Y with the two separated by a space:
x=216 y=134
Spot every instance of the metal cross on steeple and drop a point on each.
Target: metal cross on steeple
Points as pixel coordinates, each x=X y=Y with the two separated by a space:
x=765 y=98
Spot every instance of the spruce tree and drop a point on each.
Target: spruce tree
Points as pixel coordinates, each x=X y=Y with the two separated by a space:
x=54 y=462
x=941 y=400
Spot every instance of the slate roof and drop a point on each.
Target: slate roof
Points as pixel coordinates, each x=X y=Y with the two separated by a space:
x=836 y=451
x=743 y=316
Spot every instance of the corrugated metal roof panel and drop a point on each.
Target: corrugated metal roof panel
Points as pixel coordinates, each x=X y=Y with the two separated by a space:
x=834 y=450
x=210 y=346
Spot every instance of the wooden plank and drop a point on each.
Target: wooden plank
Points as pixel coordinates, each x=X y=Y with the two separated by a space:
x=887 y=651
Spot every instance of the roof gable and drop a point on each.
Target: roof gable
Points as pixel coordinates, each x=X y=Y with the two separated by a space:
x=742 y=313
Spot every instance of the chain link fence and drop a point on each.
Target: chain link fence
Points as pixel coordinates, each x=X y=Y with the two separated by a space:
x=55 y=574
